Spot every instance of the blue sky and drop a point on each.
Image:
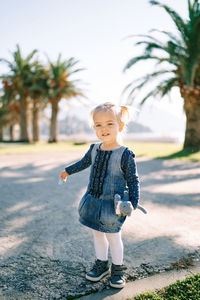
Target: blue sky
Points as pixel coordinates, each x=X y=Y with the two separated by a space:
x=92 y=31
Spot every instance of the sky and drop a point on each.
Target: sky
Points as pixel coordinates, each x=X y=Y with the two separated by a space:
x=97 y=33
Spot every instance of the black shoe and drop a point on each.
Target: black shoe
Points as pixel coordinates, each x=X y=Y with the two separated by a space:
x=117 y=279
x=99 y=270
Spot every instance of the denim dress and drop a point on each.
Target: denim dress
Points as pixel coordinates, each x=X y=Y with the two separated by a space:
x=96 y=208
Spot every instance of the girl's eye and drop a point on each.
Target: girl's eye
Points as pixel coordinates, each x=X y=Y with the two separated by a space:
x=98 y=125
x=110 y=124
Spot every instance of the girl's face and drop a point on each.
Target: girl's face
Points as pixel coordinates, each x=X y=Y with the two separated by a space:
x=106 y=126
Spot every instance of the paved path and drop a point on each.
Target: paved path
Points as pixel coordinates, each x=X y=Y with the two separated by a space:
x=44 y=251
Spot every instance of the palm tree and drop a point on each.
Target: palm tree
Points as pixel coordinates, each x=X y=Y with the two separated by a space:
x=9 y=116
x=9 y=113
x=3 y=117
x=38 y=93
x=179 y=61
x=18 y=83
x=60 y=86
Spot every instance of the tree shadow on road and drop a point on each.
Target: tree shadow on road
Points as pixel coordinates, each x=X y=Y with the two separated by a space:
x=46 y=252
x=39 y=228
x=170 y=183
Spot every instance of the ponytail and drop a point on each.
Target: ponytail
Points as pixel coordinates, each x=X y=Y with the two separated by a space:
x=125 y=115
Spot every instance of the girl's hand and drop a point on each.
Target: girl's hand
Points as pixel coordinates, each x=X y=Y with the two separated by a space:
x=63 y=175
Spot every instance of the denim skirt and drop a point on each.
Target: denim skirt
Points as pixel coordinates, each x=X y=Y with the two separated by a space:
x=99 y=214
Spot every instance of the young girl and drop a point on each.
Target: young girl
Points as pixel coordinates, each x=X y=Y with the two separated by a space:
x=113 y=171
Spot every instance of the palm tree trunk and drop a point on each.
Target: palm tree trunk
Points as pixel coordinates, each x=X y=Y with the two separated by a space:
x=192 y=132
x=54 y=124
x=1 y=133
x=35 y=118
x=11 y=131
x=24 y=137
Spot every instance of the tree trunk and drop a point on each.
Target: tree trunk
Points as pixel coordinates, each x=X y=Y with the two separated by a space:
x=24 y=137
x=54 y=124
x=35 y=118
x=1 y=134
x=11 y=130
x=192 y=132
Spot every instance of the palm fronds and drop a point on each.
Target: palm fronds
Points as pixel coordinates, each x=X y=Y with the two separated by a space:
x=180 y=52
x=179 y=22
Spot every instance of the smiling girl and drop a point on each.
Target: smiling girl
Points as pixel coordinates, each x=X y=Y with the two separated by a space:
x=113 y=171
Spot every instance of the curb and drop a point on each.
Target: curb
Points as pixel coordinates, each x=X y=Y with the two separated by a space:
x=139 y=286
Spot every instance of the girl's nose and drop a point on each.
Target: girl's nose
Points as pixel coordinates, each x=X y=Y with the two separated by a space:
x=104 y=127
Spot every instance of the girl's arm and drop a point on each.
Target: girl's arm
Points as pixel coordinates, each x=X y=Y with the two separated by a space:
x=80 y=165
x=129 y=168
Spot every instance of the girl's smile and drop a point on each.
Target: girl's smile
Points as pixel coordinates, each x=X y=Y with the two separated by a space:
x=105 y=134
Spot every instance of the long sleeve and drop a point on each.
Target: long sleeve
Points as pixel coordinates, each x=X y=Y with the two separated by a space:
x=82 y=164
x=129 y=168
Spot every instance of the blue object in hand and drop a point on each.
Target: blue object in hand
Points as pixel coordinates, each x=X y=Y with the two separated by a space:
x=60 y=181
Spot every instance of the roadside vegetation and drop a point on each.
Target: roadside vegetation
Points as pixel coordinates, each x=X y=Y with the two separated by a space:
x=29 y=86
x=145 y=149
x=188 y=289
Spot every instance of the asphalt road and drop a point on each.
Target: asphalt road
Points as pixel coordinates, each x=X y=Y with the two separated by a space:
x=45 y=252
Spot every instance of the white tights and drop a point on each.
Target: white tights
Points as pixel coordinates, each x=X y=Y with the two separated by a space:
x=103 y=240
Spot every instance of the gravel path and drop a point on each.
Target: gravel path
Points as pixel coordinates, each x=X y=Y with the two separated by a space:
x=45 y=252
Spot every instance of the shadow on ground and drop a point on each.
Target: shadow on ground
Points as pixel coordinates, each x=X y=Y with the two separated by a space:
x=44 y=250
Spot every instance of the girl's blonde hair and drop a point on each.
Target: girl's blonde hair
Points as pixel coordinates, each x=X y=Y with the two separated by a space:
x=121 y=112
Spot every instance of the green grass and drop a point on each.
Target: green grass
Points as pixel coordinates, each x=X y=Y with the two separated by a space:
x=152 y=150
x=188 y=289
x=164 y=150
x=23 y=148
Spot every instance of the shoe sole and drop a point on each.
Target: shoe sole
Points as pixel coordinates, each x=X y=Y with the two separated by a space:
x=117 y=286
x=97 y=278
